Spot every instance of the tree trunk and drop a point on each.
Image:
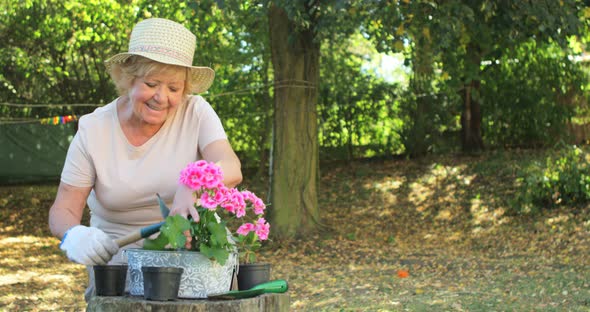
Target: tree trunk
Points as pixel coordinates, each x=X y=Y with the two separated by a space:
x=422 y=131
x=471 y=136
x=265 y=131
x=471 y=119
x=295 y=155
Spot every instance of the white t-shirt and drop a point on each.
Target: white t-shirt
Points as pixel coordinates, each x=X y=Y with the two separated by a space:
x=126 y=178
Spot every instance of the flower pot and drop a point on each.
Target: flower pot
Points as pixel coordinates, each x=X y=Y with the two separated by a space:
x=109 y=280
x=161 y=283
x=252 y=274
x=200 y=278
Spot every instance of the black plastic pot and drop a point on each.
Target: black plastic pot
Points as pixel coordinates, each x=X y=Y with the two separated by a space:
x=161 y=283
x=252 y=274
x=109 y=280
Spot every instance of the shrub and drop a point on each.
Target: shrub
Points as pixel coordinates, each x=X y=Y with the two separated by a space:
x=564 y=179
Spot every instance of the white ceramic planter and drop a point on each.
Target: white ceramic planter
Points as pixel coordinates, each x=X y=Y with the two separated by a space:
x=201 y=276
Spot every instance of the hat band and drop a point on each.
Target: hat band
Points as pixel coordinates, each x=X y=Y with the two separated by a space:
x=163 y=51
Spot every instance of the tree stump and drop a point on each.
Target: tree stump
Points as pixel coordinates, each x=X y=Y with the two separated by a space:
x=266 y=302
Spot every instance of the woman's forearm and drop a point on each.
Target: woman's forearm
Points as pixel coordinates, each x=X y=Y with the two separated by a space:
x=67 y=209
x=221 y=153
x=232 y=171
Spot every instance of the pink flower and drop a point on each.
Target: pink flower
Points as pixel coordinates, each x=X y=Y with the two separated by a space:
x=235 y=203
x=212 y=176
x=237 y=197
x=201 y=174
x=256 y=202
x=259 y=206
x=229 y=206
x=262 y=229
x=208 y=202
x=246 y=228
x=240 y=211
x=221 y=193
x=247 y=195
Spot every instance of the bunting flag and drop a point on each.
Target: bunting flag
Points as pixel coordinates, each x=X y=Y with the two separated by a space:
x=58 y=120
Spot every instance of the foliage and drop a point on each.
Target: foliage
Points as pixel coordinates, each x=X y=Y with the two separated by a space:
x=356 y=109
x=459 y=35
x=53 y=54
x=564 y=179
x=244 y=99
x=530 y=95
x=435 y=130
x=486 y=29
x=209 y=234
x=54 y=50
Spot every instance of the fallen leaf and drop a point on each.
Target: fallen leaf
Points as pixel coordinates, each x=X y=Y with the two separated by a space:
x=403 y=273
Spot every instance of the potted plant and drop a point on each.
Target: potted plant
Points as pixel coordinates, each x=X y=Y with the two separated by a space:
x=230 y=222
x=251 y=273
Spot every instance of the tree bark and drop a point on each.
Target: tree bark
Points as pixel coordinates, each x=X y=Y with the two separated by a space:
x=471 y=118
x=422 y=130
x=265 y=131
x=295 y=155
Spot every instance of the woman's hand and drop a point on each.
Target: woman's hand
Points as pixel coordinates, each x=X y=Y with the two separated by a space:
x=184 y=203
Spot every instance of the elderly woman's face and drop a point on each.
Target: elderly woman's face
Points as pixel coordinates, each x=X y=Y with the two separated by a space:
x=155 y=96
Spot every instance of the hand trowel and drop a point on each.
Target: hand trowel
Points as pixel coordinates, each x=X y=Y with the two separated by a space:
x=146 y=231
x=275 y=286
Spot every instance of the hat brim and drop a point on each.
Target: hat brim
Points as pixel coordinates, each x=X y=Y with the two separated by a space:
x=201 y=76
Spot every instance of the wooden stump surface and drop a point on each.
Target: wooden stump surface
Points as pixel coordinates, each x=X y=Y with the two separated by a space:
x=266 y=302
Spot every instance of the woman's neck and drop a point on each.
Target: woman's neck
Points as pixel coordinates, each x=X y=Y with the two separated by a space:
x=136 y=130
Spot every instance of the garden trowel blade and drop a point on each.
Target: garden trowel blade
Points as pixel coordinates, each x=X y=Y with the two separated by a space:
x=237 y=294
x=164 y=210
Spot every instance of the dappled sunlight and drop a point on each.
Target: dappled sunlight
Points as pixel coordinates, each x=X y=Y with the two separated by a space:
x=23 y=239
x=35 y=273
x=433 y=187
x=18 y=277
x=557 y=220
x=29 y=251
x=419 y=194
x=387 y=185
x=387 y=190
x=445 y=215
x=483 y=214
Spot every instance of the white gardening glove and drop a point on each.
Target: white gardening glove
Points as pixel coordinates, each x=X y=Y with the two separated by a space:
x=88 y=245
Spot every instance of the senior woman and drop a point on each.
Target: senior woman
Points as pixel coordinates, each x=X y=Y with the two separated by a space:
x=134 y=147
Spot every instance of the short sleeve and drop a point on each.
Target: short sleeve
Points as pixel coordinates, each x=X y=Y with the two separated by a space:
x=210 y=127
x=78 y=167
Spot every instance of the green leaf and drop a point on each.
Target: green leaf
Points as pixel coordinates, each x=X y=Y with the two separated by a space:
x=174 y=228
x=158 y=243
x=252 y=258
x=218 y=233
x=218 y=254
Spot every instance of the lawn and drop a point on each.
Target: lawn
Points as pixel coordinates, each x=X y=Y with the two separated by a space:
x=433 y=234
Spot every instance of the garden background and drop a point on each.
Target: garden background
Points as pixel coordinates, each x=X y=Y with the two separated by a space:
x=444 y=139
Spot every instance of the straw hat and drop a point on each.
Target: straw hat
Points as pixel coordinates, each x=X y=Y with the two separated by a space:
x=166 y=42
